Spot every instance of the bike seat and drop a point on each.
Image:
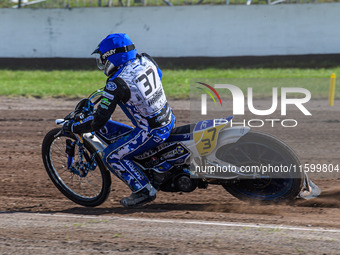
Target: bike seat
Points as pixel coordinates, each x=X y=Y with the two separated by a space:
x=186 y=129
x=181 y=133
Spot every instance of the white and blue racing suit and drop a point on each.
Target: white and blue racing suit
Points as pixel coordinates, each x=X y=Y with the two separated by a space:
x=137 y=88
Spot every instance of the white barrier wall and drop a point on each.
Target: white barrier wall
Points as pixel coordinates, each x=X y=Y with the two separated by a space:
x=257 y=30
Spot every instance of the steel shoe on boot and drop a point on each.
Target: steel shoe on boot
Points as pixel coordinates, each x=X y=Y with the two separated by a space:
x=141 y=197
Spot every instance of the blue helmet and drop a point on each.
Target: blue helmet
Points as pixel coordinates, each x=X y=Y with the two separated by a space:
x=114 y=50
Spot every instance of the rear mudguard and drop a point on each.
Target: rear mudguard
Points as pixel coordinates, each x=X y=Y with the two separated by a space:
x=309 y=190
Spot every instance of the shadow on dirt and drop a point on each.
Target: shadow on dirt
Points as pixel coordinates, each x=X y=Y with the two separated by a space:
x=330 y=198
x=152 y=208
x=118 y=209
x=236 y=207
x=239 y=208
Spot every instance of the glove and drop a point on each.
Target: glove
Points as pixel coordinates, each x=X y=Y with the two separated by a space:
x=68 y=126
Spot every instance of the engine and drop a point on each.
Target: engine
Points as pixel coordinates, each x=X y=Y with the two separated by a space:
x=173 y=181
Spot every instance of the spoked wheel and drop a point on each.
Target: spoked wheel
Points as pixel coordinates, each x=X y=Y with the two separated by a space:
x=272 y=165
x=82 y=178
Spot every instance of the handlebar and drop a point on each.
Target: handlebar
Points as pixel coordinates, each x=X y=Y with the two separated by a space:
x=59 y=121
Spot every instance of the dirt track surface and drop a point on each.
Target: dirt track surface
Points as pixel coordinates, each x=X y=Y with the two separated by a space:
x=26 y=190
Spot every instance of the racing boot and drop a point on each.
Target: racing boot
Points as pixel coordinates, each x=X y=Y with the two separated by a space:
x=146 y=195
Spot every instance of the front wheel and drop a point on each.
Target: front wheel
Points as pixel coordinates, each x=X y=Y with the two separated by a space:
x=273 y=165
x=80 y=175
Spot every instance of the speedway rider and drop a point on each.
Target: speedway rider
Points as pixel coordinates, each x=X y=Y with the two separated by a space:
x=134 y=83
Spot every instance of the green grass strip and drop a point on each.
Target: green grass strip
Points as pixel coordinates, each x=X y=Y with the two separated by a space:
x=176 y=83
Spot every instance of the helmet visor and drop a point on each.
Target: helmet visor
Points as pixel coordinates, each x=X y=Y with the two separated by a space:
x=100 y=62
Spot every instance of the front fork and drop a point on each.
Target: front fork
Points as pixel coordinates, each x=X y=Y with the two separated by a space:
x=70 y=151
x=79 y=168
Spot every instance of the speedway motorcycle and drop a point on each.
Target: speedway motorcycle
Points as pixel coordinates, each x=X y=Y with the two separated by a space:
x=251 y=166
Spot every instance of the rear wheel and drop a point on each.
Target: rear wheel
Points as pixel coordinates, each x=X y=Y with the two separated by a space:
x=85 y=181
x=278 y=176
